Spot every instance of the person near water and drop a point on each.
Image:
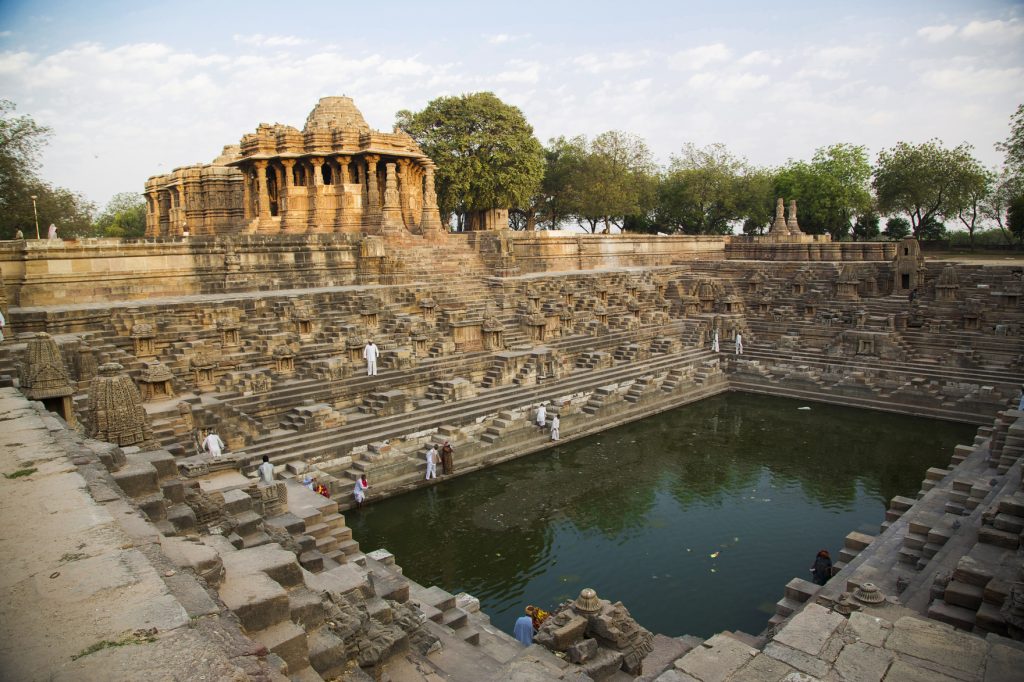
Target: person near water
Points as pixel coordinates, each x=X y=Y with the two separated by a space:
x=556 y=431
x=447 y=460
x=266 y=471
x=523 y=630
x=542 y=416
x=359 y=490
x=822 y=568
x=537 y=615
x=739 y=343
x=370 y=353
x=432 y=462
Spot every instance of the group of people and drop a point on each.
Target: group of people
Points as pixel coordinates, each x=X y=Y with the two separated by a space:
x=739 y=342
x=556 y=423
x=445 y=458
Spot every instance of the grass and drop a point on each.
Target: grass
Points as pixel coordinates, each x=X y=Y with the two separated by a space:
x=21 y=472
x=131 y=637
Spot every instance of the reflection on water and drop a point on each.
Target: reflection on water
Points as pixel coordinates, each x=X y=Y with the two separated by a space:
x=695 y=519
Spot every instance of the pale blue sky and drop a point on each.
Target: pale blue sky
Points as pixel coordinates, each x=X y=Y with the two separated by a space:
x=133 y=89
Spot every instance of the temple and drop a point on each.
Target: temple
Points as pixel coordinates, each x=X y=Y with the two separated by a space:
x=335 y=175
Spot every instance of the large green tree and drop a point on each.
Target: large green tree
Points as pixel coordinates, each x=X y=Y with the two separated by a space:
x=701 y=191
x=1013 y=146
x=486 y=154
x=830 y=190
x=926 y=182
x=21 y=140
x=559 y=195
x=124 y=216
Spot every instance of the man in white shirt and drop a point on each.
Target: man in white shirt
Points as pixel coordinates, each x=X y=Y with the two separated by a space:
x=266 y=471
x=431 y=462
x=739 y=343
x=213 y=444
x=370 y=352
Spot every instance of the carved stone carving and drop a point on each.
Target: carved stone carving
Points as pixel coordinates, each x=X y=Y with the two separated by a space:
x=116 y=408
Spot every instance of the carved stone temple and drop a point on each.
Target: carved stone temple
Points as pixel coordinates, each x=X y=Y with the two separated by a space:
x=334 y=175
x=246 y=311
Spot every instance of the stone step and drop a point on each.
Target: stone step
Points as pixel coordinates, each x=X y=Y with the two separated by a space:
x=963 y=595
x=288 y=641
x=956 y=616
x=257 y=600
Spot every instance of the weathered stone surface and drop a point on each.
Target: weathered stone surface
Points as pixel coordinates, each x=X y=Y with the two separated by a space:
x=869 y=629
x=763 y=669
x=860 y=662
x=717 y=659
x=938 y=643
x=810 y=629
x=567 y=634
x=582 y=651
x=906 y=671
x=797 y=659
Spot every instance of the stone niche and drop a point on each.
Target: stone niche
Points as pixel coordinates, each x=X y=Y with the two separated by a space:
x=144 y=339
x=156 y=381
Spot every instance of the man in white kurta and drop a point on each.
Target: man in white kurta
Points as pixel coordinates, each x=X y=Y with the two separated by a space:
x=431 y=463
x=739 y=343
x=542 y=416
x=555 y=428
x=714 y=342
x=213 y=444
x=266 y=471
x=370 y=353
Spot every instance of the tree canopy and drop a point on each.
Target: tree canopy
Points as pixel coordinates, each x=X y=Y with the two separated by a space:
x=925 y=181
x=21 y=141
x=124 y=216
x=831 y=190
x=486 y=154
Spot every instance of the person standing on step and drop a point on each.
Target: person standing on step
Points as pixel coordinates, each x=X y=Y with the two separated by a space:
x=359 y=490
x=556 y=431
x=523 y=630
x=714 y=341
x=542 y=416
x=3 y=323
x=447 y=461
x=370 y=353
x=213 y=444
x=432 y=462
x=739 y=343
x=266 y=471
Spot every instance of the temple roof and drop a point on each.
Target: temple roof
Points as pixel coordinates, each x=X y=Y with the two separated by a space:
x=334 y=113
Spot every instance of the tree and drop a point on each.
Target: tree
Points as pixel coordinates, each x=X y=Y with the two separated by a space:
x=923 y=181
x=1015 y=217
x=830 y=190
x=755 y=204
x=124 y=216
x=1013 y=145
x=897 y=228
x=972 y=190
x=614 y=180
x=700 y=193
x=21 y=140
x=558 y=198
x=866 y=226
x=486 y=153
x=1005 y=187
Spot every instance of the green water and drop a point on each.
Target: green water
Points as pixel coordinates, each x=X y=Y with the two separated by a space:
x=695 y=519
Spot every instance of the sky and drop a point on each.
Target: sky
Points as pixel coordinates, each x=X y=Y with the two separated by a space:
x=135 y=89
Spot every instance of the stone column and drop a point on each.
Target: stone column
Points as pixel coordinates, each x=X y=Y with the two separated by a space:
x=405 y=192
x=264 y=194
x=430 y=222
x=246 y=196
x=287 y=207
x=391 y=220
x=153 y=227
x=372 y=211
x=317 y=200
x=345 y=210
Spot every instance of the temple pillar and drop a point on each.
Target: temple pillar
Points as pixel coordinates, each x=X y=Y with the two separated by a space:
x=430 y=221
x=263 y=193
x=345 y=207
x=405 y=193
x=317 y=200
x=391 y=215
x=372 y=211
x=246 y=196
x=287 y=202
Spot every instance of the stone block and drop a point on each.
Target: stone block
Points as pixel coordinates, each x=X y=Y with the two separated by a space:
x=137 y=479
x=257 y=600
x=869 y=629
x=181 y=517
x=200 y=558
x=237 y=501
x=999 y=538
x=911 y=671
x=288 y=641
x=970 y=571
x=604 y=664
x=861 y=661
x=582 y=650
x=716 y=659
x=810 y=629
x=277 y=563
x=164 y=462
x=937 y=643
x=568 y=634
x=858 y=541
x=805 y=663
